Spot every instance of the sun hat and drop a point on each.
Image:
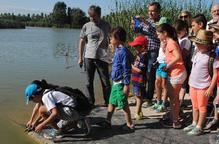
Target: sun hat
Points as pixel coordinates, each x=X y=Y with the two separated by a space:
x=162 y=21
x=203 y=37
x=214 y=25
x=139 y=40
x=29 y=91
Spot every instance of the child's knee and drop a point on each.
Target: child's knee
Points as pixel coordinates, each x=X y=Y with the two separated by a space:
x=202 y=109
x=42 y=110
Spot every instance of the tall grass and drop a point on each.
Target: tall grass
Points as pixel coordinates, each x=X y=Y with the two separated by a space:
x=123 y=10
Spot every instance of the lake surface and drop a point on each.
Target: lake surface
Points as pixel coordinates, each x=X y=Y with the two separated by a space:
x=28 y=54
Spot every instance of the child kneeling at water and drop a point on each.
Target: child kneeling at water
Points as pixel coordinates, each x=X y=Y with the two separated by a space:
x=56 y=108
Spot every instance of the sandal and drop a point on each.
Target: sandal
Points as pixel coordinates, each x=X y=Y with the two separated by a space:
x=177 y=125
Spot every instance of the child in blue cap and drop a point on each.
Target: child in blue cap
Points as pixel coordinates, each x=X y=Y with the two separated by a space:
x=53 y=105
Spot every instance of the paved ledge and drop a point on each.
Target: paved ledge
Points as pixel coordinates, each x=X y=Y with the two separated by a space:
x=148 y=131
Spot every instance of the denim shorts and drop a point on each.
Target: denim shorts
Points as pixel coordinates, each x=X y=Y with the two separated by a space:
x=178 y=79
x=139 y=91
x=160 y=72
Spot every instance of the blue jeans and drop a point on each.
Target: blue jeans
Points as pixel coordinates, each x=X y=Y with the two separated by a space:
x=91 y=65
x=151 y=74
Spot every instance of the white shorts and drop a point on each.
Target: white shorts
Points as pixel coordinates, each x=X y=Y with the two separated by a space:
x=178 y=79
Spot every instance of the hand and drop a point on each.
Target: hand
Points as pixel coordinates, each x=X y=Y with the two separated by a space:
x=40 y=127
x=30 y=124
x=165 y=69
x=80 y=62
x=126 y=89
x=208 y=92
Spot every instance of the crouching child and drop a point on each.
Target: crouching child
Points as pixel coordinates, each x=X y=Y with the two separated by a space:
x=58 y=107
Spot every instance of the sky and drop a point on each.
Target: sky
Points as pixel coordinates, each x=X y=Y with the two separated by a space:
x=46 y=6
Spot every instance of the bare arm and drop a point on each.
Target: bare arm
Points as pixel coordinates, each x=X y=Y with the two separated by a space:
x=33 y=115
x=81 y=51
x=136 y=69
x=210 y=90
x=49 y=120
x=176 y=57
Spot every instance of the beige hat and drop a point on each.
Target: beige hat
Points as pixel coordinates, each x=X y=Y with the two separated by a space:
x=203 y=37
x=214 y=25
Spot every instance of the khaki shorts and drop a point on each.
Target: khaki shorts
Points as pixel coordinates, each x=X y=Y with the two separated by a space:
x=178 y=79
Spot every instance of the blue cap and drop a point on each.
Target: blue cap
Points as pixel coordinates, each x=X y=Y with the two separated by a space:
x=29 y=91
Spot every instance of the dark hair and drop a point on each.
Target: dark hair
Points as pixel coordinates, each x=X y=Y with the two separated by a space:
x=118 y=33
x=171 y=32
x=200 y=18
x=180 y=25
x=96 y=9
x=157 y=4
x=44 y=85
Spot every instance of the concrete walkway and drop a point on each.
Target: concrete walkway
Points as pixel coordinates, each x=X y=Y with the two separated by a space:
x=148 y=131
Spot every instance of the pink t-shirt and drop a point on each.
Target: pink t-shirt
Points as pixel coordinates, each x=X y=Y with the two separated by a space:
x=199 y=77
x=177 y=68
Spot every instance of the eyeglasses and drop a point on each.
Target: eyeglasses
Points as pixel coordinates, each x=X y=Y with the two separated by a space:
x=185 y=16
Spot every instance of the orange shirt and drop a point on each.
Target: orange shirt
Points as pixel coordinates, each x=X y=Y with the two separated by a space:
x=177 y=68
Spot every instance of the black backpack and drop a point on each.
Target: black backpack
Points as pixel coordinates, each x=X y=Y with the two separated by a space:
x=83 y=104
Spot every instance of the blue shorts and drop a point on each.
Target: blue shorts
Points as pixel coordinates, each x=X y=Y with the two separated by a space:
x=139 y=91
x=160 y=72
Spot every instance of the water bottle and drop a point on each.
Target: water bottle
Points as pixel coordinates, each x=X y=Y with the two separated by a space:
x=137 y=25
x=217 y=51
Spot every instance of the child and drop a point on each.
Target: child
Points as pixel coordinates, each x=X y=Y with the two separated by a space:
x=215 y=29
x=200 y=82
x=175 y=69
x=161 y=76
x=121 y=73
x=54 y=105
x=139 y=72
x=185 y=46
x=161 y=81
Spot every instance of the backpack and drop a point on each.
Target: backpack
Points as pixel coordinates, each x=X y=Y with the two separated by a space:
x=83 y=104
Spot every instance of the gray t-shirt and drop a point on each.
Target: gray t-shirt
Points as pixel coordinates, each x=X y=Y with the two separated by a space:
x=96 y=36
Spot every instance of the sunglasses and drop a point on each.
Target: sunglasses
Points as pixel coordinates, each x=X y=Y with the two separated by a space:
x=185 y=16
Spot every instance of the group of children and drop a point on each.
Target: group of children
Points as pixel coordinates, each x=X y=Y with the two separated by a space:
x=176 y=59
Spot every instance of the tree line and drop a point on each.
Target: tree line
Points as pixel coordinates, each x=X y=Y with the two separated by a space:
x=61 y=17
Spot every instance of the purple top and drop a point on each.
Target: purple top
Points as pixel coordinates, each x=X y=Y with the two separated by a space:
x=199 y=77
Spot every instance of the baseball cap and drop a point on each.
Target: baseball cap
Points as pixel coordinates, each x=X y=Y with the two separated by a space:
x=139 y=40
x=162 y=21
x=29 y=91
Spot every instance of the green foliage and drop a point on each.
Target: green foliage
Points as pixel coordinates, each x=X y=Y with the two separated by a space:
x=59 y=14
x=59 y=18
x=124 y=10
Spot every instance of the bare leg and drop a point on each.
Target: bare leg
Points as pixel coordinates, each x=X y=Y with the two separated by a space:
x=139 y=100
x=127 y=114
x=164 y=88
x=158 y=88
x=182 y=95
x=201 y=120
x=110 y=112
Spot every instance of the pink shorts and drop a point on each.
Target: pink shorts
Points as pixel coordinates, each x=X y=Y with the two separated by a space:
x=199 y=100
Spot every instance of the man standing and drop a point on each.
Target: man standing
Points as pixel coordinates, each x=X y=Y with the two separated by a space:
x=215 y=14
x=94 y=35
x=148 y=29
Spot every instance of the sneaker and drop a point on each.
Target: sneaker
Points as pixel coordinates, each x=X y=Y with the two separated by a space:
x=127 y=128
x=189 y=128
x=155 y=106
x=195 y=132
x=52 y=133
x=147 y=104
x=139 y=116
x=160 y=108
x=211 y=124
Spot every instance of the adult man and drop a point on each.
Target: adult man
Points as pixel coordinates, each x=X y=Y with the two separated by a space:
x=148 y=29
x=215 y=14
x=94 y=35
